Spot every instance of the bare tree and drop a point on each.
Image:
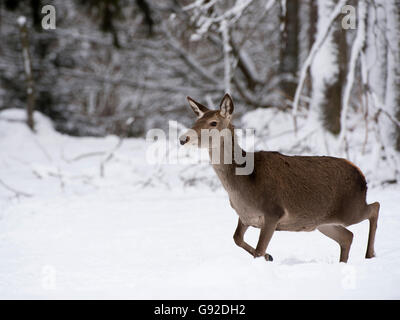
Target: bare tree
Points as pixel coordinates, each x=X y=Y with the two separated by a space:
x=376 y=50
x=30 y=89
x=328 y=71
x=392 y=105
x=289 y=53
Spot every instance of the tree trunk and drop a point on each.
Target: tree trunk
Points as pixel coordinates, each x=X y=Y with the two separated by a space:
x=289 y=50
x=376 y=50
x=30 y=107
x=328 y=71
x=311 y=34
x=392 y=103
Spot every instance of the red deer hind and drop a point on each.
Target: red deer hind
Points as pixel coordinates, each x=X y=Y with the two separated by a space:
x=286 y=193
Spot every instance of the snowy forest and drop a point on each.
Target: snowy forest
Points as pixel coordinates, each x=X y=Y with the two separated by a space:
x=83 y=81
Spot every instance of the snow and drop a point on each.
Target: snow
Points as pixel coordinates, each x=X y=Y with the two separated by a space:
x=160 y=231
x=21 y=21
x=204 y=21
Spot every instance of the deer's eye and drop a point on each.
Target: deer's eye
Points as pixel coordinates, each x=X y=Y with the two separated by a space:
x=213 y=123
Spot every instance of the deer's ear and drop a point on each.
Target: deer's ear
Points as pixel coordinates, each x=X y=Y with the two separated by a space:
x=226 y=106
x=197 y=108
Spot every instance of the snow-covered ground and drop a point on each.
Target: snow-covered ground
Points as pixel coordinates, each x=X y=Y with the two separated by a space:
x=134 y=230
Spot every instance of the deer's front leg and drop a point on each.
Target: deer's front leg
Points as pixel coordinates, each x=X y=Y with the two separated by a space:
x=266 y=233
x=238 y=237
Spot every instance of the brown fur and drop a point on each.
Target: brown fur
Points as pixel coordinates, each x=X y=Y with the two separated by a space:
x=294 y=193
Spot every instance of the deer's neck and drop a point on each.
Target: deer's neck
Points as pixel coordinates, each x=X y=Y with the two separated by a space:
x=223 y=157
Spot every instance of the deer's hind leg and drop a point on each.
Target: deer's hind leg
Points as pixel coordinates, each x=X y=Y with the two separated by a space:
x=342 y=236
x=373 y=213
x=238 y=237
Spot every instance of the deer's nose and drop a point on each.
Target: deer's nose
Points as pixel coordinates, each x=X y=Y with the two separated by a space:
x=184 y=139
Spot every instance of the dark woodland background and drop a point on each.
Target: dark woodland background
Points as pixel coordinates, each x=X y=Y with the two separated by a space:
x=112 y=60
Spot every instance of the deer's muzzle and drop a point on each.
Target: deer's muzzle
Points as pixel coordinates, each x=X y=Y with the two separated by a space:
x=184 y=139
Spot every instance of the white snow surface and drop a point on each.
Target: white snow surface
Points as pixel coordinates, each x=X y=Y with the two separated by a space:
x=158 y=231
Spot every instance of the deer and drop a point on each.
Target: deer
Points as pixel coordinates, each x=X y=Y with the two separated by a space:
x=285 y=193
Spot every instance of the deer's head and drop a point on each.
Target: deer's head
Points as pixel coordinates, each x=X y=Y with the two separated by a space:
x=209 y=123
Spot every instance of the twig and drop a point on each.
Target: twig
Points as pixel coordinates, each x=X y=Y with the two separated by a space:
x=109 y=156
x=86 y=155
x=17 y=193
x=393 y=119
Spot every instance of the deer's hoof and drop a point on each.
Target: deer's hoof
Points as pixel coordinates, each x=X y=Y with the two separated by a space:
x=268 y=257
x=370 y=255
